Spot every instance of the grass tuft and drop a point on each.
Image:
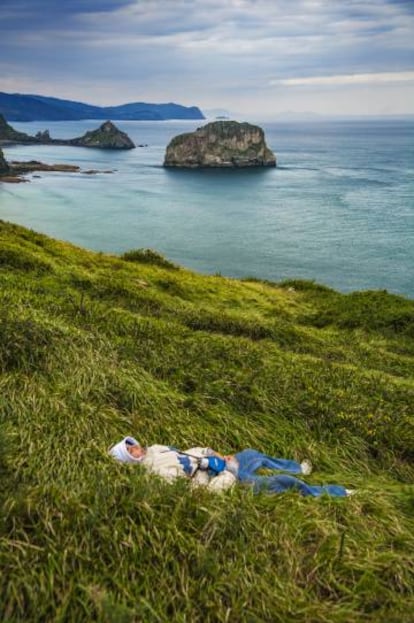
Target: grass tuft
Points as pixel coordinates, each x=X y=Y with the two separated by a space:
x=148 y=256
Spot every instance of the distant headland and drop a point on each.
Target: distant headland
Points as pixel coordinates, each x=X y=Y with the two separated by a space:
x=22 y=107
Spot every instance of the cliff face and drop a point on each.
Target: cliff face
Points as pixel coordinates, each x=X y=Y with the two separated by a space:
x=220 y=144
x=4 y=167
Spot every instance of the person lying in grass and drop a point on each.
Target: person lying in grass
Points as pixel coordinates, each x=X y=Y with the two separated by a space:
x=208 y=468
x=202 y=465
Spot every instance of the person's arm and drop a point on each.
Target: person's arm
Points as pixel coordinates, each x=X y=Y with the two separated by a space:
x=200 y=452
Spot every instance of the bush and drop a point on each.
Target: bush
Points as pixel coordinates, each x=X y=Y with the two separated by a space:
x=148 y=256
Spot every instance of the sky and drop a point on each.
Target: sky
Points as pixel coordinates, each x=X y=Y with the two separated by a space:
x=262 y=58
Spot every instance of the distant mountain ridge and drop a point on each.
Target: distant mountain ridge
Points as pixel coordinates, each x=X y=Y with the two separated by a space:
x=23 y=107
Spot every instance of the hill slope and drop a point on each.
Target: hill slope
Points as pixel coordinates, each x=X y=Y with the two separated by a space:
x=93 y=347
x=22 y=107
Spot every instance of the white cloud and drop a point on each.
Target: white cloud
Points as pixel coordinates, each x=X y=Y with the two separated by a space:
x=237 y=54
x=350 y=79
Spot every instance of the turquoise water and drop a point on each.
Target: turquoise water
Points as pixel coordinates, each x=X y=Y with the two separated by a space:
x=339 y=208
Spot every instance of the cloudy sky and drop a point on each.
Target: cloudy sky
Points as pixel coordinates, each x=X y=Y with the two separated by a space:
x=257 y=57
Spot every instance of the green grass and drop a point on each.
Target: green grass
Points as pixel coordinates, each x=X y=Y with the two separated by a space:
x=93 y=347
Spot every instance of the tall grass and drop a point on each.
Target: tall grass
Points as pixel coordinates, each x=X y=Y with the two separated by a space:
x=94 y=347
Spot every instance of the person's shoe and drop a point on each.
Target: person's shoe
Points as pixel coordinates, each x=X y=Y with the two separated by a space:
x=306 y=467
x=350 y=492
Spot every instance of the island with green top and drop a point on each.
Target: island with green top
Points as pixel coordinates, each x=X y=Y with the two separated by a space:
x=220 y=144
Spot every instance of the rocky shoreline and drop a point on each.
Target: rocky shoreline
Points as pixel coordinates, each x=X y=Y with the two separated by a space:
x=15 y=172
x=107 y=136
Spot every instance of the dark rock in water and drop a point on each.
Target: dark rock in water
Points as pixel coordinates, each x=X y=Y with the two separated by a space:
x=220 y=144
x=17 y=171
x=107 y=136
x=43 y=137
x=34 y=165
x=4 y=167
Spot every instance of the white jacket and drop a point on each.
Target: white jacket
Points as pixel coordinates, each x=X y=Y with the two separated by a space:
x=170 y=464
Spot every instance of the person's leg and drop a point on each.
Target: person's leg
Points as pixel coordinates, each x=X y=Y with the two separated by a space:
x=249 y=461
x=281 y=483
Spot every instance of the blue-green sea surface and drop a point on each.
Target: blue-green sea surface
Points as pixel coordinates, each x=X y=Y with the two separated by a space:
x=338 y=209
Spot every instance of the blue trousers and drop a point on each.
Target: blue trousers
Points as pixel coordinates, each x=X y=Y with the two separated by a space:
x=251 y=460
x=281 y=483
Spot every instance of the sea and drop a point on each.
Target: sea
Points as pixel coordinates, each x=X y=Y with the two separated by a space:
x=338 y=209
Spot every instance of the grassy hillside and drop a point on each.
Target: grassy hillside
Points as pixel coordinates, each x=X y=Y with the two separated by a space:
x=93 y=347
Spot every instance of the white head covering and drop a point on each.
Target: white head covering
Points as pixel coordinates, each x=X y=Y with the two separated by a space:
x=120 y=450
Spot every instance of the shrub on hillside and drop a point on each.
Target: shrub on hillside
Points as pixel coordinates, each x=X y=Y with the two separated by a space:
x=148 y=256
x=304 y=285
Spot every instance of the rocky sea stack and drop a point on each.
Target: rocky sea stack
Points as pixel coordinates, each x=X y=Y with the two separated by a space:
x=107 y=136
x=4 y=167
x=221 y=144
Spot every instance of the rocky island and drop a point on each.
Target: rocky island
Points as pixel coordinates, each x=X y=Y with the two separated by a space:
x=220 y=144
x=107 y=136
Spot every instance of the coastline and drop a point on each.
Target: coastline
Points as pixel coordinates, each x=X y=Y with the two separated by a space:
x=329 y=213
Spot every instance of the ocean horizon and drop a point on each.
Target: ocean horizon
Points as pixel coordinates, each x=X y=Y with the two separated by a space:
x=338 y=209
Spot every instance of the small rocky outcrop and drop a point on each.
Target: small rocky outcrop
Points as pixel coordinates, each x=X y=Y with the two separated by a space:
x=107 y=136
x=4 y=167
x=19 y=168
x=43 y=137
x=221 y=144
x=16 y=172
